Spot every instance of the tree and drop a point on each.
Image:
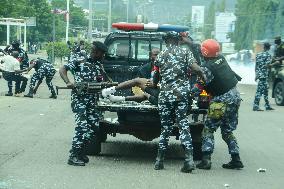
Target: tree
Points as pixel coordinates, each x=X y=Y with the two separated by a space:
x=257 y=20
x=210 y=20
x=221 y=6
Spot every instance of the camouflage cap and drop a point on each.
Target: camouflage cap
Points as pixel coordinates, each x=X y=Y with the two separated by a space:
x=171 y=35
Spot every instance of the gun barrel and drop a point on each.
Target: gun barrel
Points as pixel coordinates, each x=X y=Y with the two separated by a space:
x=88 y=86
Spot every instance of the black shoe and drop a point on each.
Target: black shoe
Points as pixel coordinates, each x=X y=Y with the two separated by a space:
x=269 y=108
x=85 y=158
x=9 y=94
x=75 y=160
x=29 y=95
x=235 y=162
x=188 y=165
x=205 y=162
x=159 y=163
x=233 y=165
x=257 y=109
x=53 y=96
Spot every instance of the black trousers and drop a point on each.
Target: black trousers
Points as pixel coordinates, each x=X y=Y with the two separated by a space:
x=21 y=81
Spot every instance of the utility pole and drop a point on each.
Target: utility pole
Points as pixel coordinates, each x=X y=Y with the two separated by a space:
x=90 y=20
x=67 y=20
x=53 y=39
x=109 y=16
x=127 y=11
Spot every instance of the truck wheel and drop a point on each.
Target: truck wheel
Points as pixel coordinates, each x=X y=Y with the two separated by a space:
x=94 y=146
x=279 y=93
x=197 y=152
x=103 y=136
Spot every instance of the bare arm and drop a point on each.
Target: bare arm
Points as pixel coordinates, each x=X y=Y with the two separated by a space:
x=29 y=68
x=63 y=75
x=197 y=69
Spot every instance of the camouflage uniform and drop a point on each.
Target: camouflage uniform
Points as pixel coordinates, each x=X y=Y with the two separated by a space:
x=43 y=69
x=228 y=123
x=174 y=63
x=261 y=72
x=84 y=105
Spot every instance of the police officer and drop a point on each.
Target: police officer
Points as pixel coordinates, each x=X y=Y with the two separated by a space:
x=22 y=58
x=43 y=69
x=84 y=105
x=279 y=50
x=221 y=83
x=174 y=63
x=263 y=60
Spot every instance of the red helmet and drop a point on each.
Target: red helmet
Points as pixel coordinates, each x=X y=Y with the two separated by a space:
x=210 y=48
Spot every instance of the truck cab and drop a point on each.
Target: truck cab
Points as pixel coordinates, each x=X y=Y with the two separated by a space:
x=128 y=51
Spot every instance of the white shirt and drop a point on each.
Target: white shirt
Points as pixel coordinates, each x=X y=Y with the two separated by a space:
x=9 y=63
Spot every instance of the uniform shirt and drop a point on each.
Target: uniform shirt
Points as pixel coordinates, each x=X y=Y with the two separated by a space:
x=10 y=64
x=174 y=63
x=89 y=71
x=262 y=60
x=230 y=97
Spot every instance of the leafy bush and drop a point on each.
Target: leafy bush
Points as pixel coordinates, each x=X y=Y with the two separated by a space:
x=60 y=49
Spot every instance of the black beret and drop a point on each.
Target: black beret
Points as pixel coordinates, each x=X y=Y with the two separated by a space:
x=101 y=46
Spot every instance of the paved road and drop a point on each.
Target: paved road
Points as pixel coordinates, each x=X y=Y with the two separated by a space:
x=36 y=135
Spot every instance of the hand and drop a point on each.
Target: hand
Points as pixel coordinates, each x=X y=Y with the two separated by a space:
x=185 y=40
x=149 y=83
x=70 y=85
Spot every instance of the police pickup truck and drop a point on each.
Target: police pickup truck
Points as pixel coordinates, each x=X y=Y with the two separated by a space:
x=127 y=52
x=277 y=83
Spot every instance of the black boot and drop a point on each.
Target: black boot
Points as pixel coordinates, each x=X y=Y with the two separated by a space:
x=9 y=94
x=235 y=163
x=53 y=96
x=205 y=162
x=159 y=164
x=83 y=155
x=188 y=165
x=75 y=158
x=30 y=94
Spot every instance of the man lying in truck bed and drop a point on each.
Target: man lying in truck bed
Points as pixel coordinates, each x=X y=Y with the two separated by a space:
x=143 y=82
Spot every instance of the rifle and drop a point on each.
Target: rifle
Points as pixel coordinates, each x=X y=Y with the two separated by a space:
x=89 y=87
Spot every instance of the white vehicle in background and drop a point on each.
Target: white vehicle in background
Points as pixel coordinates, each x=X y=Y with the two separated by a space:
x=243 y=56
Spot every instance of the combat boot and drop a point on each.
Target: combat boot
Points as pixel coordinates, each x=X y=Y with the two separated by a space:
x=188 y=165
x=9 y=94
x=30 y=94
x=235 y=163
x=205 y=162
x=53 y=95
x=159 y=164
x=75 y=158
x=83 y=155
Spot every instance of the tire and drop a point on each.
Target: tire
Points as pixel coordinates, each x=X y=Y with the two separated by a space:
x=279 y=93
x=103 y=136
x=197 y=150
x=94 y=146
